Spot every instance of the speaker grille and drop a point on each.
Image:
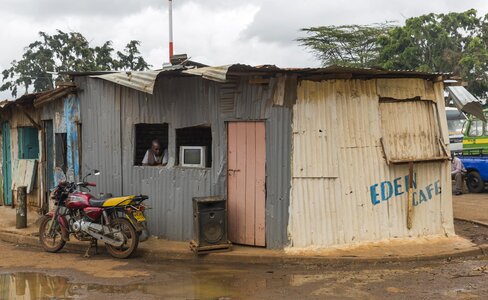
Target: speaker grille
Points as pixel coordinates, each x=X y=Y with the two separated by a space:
x=212 y=232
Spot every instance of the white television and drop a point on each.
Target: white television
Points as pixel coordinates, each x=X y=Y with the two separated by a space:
x=193 y=156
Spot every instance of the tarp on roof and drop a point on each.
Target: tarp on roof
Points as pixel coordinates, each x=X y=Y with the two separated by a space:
x=466 y=102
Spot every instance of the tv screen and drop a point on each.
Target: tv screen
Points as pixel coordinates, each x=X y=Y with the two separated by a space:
x=192 y=156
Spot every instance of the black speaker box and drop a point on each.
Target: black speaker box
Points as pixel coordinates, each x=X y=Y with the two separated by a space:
x=209 y=224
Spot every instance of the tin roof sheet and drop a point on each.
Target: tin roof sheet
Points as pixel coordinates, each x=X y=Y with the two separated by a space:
x=465 y=101
x=145 y=80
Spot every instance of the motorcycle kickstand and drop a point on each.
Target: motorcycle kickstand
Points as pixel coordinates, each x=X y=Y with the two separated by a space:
x=93 y=244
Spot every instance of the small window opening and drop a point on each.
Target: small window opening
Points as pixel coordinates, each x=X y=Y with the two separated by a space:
x=28 y=142
x=145 y=135
x=194 y=147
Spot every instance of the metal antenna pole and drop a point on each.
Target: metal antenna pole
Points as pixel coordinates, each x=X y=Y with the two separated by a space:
x=170 y=6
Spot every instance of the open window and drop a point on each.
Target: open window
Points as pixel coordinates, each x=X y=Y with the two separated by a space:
x=411 y=131
x=194 y=147
x=28 y=142
x=145 y=134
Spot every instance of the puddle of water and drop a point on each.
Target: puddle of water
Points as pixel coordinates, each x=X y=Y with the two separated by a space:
x=28 y=286
x=35 y=286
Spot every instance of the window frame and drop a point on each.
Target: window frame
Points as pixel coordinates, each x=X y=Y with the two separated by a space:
x=21 y=141
x=165 y=141
x=208 y=145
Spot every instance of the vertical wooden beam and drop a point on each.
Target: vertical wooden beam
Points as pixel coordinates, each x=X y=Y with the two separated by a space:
x=410 y=196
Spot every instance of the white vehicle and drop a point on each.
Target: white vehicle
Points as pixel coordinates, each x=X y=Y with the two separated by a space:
x=455 y=125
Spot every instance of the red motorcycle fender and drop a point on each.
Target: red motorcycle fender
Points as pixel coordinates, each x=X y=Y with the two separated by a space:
x=64 y=225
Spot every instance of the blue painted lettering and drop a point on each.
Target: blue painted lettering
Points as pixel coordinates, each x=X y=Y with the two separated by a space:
x=398 y=186
x=374 y=194
x=386 y=190
x=429 y=190
x=437 y=187
x=422 y=197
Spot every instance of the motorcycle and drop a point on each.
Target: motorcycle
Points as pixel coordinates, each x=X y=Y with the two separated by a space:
x=119 y=222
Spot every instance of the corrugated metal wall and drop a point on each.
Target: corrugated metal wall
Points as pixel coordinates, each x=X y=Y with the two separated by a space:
x=109 y=113
x=343 y=191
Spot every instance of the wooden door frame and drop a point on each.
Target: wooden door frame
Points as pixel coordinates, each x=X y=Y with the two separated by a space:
x=7 y=190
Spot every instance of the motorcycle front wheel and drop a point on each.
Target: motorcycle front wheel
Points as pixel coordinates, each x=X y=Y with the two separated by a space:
x=51 y=240
x=130 y=236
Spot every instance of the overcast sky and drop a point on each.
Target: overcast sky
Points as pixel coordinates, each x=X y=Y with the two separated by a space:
x=210 y=31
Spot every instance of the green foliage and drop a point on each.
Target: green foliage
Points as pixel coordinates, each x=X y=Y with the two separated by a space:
x=66 y=52
x=453 y=43
x=349 y=45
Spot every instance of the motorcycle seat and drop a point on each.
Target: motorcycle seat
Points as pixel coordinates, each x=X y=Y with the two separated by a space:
x=98 y=202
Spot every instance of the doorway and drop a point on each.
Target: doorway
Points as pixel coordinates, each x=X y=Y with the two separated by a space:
x=246 y=182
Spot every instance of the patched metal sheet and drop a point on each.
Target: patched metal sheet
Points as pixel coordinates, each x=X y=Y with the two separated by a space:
x=367 y=201
x=406 y=88
x=407 y=140
x=141 y=81
x=218 y=74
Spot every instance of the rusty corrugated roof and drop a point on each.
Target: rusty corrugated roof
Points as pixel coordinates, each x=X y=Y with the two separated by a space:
x=145 y=80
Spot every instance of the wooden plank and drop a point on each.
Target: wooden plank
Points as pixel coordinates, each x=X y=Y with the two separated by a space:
x=231 y=180
x=260 y=179
x=250 y=187
x=240 y=174
x=7 y=164
x=24 y=174
x=30 y=174
x=410 y=196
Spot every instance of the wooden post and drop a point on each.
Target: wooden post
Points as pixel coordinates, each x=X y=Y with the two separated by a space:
x=410 y=196
x=21 y=218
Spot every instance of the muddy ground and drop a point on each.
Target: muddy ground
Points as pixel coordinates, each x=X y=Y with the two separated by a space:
x=28 y=272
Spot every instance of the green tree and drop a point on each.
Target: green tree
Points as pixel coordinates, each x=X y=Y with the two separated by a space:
x=348 y=45
x=453 y=42
x=131 y=58
x=65 y=52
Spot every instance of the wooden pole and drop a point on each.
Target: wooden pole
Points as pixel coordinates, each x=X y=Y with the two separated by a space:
x=21 y=218
x=410 y=196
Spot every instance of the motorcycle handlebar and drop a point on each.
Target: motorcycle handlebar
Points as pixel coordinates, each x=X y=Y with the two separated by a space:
x=91 y=184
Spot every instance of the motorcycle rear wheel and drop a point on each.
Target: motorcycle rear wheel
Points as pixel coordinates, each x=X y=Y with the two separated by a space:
x=51 y=242
x=132 y=239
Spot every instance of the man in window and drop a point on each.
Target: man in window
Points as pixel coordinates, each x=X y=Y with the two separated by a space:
x=156 y=155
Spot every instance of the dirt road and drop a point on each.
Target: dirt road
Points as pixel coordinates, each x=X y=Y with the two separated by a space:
x=29 y=273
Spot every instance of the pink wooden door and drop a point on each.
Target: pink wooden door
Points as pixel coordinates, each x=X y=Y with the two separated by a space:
x=246 y=182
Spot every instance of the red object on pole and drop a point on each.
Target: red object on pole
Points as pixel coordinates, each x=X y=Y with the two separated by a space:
x=170 y=14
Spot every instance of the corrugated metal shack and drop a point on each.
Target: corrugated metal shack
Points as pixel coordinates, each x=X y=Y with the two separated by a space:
x=337 y=144
x=39 y=138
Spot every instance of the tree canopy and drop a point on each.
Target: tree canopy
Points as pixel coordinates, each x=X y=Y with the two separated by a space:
x=453 y=43
x=348 y=45
x=44 y=59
